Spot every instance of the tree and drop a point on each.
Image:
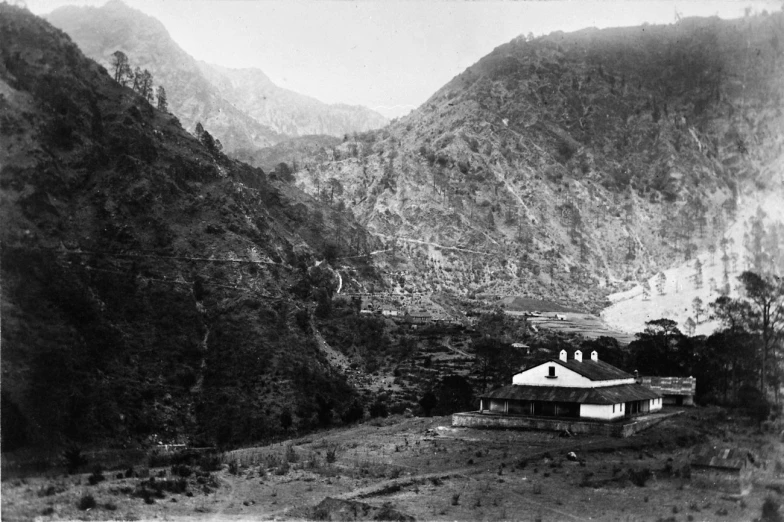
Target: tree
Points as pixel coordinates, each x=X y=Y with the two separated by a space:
x=765 y=295
x=122 y=69
x=455 y=394
x=646 y=291
x=142 y=83
x=661 y=281
x=697 y=273
x=163 y=104
x=428 y=402
x=199 y=130
x=691 y=326
x=697 y=307
x=286 y=419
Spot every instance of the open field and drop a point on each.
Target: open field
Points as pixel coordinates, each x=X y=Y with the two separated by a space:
x=587 y=325
x=424 y=468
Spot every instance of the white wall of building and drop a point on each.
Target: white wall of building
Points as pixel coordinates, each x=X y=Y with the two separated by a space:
x=601 y=411
x=656 y=404
x=564 y=378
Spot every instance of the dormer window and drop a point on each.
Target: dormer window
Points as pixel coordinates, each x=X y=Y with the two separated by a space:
x=551 y=372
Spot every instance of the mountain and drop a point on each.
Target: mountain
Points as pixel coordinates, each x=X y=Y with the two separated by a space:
x=242 y=108
x=99 y=32
x=285 y=111
x=153 y=288
x=571 y=166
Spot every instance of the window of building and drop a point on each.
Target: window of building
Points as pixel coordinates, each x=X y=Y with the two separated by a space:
x=551 y=371
x=613 y=408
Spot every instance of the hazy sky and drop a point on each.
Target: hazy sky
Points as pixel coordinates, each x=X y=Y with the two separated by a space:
x=387 y=55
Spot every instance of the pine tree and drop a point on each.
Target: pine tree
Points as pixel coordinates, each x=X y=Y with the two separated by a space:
x=697 y=273
x=697 y=306
x=163 y=104
x=122 y=69
x=646 y=291
x=199 y=130
x=661 y=281
x=691 y=326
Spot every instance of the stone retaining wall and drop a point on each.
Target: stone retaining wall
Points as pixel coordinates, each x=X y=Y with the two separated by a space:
x=622 y=428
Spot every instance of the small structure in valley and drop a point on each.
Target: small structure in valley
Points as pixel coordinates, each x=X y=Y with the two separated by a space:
x=724 y=469
x=676 y=391
x=589 y=396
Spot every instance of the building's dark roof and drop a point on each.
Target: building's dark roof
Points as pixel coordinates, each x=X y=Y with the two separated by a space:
x=594 y=370
x=603 y=395
x=722 y=458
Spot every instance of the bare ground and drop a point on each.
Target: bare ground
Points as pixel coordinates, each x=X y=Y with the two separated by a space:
x=424 y=468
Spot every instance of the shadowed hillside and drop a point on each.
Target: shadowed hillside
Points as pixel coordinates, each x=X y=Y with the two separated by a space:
x=153 y=289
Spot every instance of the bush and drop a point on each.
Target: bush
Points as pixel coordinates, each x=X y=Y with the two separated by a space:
x=332 y=453
x=353 y=413
x=210 y=462
x=770 y=511
x=86 y=502
x=74 y=459
x=181 y=470
x=378 y=409
x=291 y=455
x=234 y=467
x=96 y=476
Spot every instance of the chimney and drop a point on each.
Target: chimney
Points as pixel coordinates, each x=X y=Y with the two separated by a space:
x=563 y=355
x=578 y=356
x=594 y=356
x=636 y=376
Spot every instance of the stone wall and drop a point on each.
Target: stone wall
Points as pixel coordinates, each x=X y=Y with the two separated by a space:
x=623 y=428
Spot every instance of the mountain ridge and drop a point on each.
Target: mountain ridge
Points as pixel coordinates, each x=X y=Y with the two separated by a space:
x=577 y=163
x=194 y=90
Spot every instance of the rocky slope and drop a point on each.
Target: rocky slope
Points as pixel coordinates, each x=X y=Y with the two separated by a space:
x=242 y=108
x=152 y=289
x=285 y=111
x=571 y=165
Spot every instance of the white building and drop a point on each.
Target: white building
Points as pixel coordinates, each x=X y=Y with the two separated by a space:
x=590 y=389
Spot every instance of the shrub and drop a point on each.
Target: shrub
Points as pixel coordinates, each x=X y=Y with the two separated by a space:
x=378 y=409
x=48 y=511
x=291 y=455
x=96 y=476
x=283 y=468
x=770 y=511
x=456 y=499
x=74 y=459
x=234 y=467
x=181 y=470
x=110 y=506
x=86 y=502
x=210 y=462
x=353 y=413
x=332 y=453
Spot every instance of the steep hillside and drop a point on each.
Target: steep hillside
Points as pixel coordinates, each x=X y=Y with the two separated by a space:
x=152 y=289
x=242 y=108
x=99 y=32
x=571 y=165
x=293 y=152
x=285 y=111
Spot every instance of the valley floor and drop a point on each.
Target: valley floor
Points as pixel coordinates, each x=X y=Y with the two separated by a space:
x=424 y=468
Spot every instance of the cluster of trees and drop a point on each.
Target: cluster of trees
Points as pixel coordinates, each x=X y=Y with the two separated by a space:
x=213 y=145
x=140 y=79
x=741 y=360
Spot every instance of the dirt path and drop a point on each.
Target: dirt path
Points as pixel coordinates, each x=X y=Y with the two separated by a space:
x=448 y=344
x=436 y=245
